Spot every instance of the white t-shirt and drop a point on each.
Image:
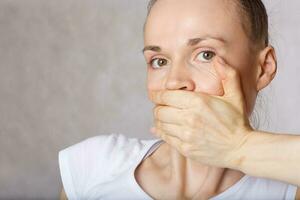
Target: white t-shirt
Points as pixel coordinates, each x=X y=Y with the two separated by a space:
x=102 y=167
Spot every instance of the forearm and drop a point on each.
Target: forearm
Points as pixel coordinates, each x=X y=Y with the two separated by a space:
x=268 y=155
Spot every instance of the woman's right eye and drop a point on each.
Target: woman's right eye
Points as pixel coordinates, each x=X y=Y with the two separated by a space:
x=158 y=62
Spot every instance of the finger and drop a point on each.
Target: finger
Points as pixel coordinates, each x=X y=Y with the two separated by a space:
x=175 y=98
x=168 y=114
x=173 y=141
x=174 y=130
x=230 y=81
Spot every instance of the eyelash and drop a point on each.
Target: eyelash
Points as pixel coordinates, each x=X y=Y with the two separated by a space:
x=202 y=51
x=206 y=51
x=152 y=60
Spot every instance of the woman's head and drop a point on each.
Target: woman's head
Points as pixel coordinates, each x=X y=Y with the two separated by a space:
x=182 y=37
x=253 y=16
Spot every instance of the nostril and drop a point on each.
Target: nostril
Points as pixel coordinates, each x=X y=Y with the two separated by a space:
x=183 y=88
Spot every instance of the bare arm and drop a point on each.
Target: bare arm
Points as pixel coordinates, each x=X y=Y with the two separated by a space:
x=269 y=155
x=298 y=194
x=63 y=195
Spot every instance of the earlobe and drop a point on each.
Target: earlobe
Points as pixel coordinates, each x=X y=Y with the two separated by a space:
x=267 y=67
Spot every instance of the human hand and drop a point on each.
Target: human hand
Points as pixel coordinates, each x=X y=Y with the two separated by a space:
x=206 y=128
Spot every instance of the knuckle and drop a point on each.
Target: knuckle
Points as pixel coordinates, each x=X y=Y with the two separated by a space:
x=153 y=109
x=156 y=110
x=161 y=96
x=187 y=135
x=157 y=123
x=185 y=149
x=181 y=148
x=191 y=120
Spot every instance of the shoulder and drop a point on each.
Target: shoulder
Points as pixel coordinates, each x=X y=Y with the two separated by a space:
x=102 y=147
x=112 y=149
x=96 y=160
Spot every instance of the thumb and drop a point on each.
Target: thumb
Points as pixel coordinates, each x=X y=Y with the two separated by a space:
x=230 y=81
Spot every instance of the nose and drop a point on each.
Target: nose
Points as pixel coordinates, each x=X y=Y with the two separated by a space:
x=179 y=78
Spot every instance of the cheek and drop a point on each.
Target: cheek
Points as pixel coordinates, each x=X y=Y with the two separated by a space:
x=155 y=79
x=249 y=88
x=245 y=62
x=246 y=65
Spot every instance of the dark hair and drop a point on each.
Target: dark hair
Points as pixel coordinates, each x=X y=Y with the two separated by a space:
x=255 y=22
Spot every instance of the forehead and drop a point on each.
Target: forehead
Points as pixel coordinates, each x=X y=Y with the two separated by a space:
x=181 y=19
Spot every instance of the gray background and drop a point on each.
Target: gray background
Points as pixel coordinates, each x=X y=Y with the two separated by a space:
x=73 y=69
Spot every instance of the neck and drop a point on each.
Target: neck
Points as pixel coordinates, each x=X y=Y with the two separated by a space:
x=192 y=178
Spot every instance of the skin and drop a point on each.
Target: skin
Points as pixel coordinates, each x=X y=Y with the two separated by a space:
x=170 y=25
x=184 y=87
x=63 y=195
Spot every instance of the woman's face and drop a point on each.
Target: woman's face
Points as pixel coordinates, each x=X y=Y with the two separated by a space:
x=183 y=37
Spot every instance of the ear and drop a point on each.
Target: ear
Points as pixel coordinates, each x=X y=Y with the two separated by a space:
x=267 y=67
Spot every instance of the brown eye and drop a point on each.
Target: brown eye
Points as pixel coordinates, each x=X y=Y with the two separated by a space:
x=158 y=62
x=205 y=56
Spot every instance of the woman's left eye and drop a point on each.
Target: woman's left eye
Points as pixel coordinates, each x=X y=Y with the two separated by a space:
x=205 y=56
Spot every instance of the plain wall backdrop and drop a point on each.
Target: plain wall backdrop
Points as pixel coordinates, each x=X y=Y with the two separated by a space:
x=73 y=69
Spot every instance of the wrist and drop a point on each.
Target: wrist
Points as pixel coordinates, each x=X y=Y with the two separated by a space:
x=239 y=153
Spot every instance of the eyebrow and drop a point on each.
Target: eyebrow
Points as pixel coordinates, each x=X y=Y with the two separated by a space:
x=191 y=42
